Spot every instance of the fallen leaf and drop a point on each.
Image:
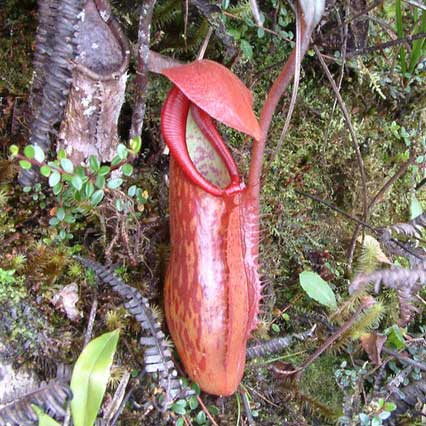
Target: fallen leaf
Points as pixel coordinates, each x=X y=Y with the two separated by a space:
x=372 y=343
x=66 y=300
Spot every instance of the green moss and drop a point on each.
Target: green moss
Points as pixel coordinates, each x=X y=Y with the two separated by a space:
x=318 y=382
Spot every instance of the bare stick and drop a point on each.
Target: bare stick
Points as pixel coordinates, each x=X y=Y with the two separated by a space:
x=295 y=88
x=405 y=359
x=415 y=4
x=351 y=131
x=368 y=303
x=256 y=13
x=91 y=321
x=141 y=81
x=391 y=43
x=205 y=44
x=246 y=405
x=204 y=408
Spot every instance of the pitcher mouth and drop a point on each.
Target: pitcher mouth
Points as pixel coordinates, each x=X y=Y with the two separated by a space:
x=197 y=146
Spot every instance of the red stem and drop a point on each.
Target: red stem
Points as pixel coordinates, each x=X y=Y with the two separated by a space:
x=269 y=107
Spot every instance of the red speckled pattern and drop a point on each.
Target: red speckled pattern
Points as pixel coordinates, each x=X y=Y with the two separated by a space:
x=217 y=91
x=210 y=297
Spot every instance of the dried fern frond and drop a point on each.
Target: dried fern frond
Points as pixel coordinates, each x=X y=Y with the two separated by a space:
x=406 y=282
x=157 y=354
x=413 y=228
x=51 y=398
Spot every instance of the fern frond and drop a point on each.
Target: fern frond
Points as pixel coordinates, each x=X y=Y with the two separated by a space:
x=157 y=355
x=51 y=398
x=413 y=228
x=241 y=10
x=406 y=282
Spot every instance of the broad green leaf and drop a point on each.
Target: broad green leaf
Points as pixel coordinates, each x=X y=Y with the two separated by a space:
x=61 y=154
x=90 y=377
x=127 y=170
x=116 y=160
x=45 y=171
x=60 y=213
x=415 y=208
x=201 y=418
x=395 y=337
x=104 y=170
x=89 y=189
x=29 y=151
x=247 y=49
x=122 y=151
x=318 y=289
x=100 y=182
x=131 y=192
x=97 y=197
x=94 y=163
x=57 y=188
x=14 y=150
x=114 y=183
x=43 y=418
x=54 y=178
x=26 y=165
x=77 y=182
x=67 y=165
x=38 y=154
x=135 y=144
x=418 y=45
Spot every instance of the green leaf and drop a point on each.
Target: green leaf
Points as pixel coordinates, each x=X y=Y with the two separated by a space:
x=201 y=418
x=26 y=165
x=57 y=188
x=94 y=163
x=122 y=151
x=14 y=150
x=54 y=178
x=131 y=192
x=318 y=289
x=193 y=403
x=38 y=154
x=29 y=152
x=97 y=197
x=116 y=160
x=418 y=45
x=60 y=213
x=114 y=183
x=127 y=170
x=67 y=165
x=54 y=221
x=395 y=337
x=90 y=377
x=246 y=49
x=179 y=407
x=77 y=182
x=100 y=182
x=136 y=144
x=104 y=170
x=45 y=171
x=43 y=418
x=61 y=154
x=415 y=208
x=180 y=421
x=89 y=189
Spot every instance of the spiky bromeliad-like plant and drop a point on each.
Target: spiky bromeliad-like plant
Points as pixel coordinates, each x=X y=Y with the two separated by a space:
x=212 y=288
